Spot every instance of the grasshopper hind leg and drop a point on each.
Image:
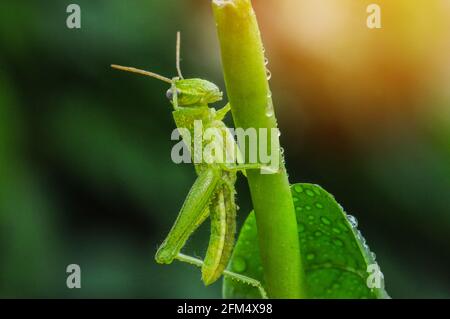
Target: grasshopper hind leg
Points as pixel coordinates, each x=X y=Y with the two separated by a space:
x=194 y=211
x=223 y=229
x=167 y=250
x=229 y=274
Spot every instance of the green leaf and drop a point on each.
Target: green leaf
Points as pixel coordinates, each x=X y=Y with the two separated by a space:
x=334 y=253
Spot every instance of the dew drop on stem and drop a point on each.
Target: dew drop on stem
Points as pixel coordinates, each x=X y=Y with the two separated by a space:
x=269 y=108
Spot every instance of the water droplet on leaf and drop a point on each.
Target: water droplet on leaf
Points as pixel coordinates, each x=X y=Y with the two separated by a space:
x=310 y=193
x=338 y=242
x=336 y=230
x=325 y=220
x=239 y=265
x=352 y=220
x=301 y=228
x=310 y=256
x=298 y=189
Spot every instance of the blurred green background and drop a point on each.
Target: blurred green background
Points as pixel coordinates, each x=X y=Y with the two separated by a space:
x=85 y=169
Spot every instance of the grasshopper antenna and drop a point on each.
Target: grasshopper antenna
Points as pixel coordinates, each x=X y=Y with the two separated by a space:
x=142 y=72
x=178 y=55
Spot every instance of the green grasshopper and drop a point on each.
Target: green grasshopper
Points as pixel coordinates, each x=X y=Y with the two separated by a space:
x=213 y=193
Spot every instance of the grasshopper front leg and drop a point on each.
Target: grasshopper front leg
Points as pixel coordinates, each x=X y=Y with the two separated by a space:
x=194 y=211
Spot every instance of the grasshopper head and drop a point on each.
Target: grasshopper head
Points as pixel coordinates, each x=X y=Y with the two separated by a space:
x=192 y=92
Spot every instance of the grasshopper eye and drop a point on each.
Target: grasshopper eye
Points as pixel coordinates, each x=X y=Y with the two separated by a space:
x=169 y=94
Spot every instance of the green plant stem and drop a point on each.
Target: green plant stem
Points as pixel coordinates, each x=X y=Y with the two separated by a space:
x=249 y=93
